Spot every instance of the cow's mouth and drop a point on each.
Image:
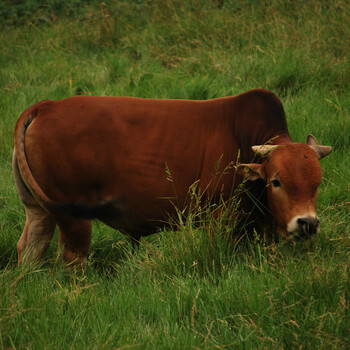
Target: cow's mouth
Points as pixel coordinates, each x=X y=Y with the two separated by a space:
x=300 y=236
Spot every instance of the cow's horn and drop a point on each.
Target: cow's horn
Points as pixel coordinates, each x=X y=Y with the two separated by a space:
x=264 y=150
x=322 y=151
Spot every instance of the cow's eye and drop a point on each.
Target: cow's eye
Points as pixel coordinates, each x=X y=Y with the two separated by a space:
x=276 y=183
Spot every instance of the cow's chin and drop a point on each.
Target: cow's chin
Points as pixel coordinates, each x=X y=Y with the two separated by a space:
x=282 y=232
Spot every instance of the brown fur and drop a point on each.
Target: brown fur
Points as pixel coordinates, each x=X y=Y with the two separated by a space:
x=90 y=157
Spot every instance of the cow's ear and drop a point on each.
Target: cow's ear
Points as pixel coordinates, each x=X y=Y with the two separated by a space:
x=251 y=171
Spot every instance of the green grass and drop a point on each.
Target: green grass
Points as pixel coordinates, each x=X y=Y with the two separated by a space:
x=184 y=289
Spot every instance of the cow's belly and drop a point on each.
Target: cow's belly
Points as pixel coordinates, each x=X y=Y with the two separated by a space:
x=145 y=214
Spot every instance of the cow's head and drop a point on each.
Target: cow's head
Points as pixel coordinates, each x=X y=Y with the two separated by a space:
x=292 y=173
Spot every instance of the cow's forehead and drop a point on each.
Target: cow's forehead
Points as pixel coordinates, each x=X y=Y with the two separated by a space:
x=295 y=162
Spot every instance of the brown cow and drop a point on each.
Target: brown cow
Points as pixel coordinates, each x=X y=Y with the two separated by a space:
x=89 y=157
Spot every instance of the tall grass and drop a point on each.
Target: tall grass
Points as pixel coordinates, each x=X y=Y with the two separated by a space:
x=194 y=287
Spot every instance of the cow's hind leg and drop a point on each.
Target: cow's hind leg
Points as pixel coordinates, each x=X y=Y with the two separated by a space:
x=75 y=239
x=39 y=227
x=37 y=234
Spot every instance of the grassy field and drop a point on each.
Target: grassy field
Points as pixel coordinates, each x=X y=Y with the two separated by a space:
x=182 y=290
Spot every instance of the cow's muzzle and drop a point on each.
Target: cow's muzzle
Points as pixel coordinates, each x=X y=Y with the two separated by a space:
x=307 y=227
x=303 y=227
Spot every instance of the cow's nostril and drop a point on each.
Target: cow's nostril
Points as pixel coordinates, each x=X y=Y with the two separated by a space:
x=308 y=226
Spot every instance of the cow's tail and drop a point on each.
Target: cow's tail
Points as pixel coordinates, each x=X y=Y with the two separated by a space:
x=23 y=123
